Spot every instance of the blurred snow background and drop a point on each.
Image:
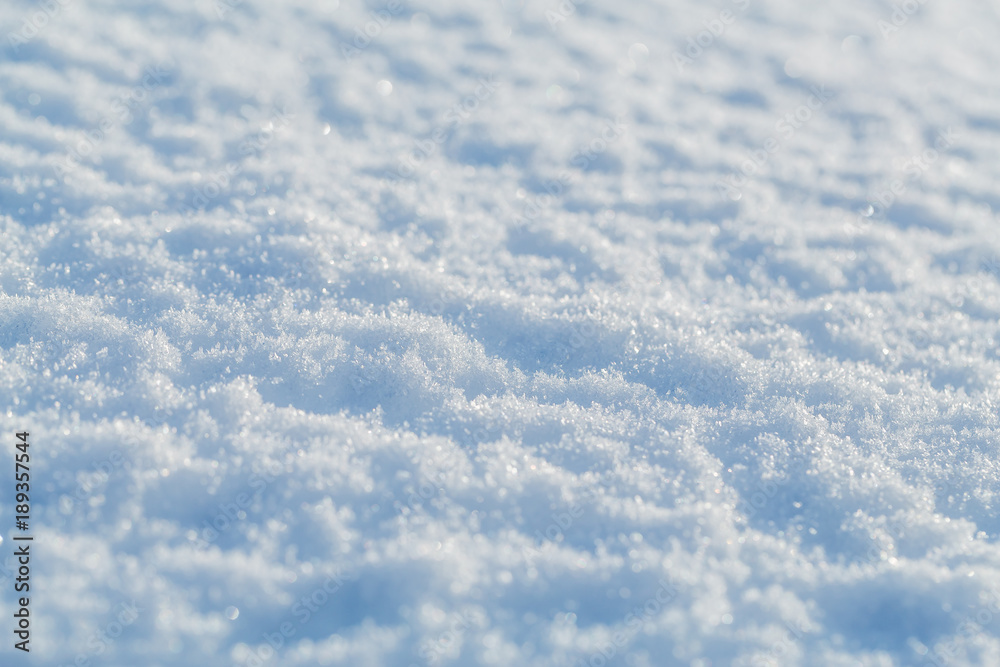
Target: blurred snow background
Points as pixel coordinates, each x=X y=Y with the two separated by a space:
x=503 y=333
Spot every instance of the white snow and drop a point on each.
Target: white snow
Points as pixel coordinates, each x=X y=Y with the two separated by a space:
x=466 y=341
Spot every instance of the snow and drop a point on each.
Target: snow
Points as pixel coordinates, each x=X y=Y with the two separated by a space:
x=507 y=333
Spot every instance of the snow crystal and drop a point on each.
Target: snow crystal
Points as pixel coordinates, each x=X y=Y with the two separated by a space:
x=512 y=334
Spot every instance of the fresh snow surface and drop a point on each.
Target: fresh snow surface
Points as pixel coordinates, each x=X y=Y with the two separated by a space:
x=465 y=341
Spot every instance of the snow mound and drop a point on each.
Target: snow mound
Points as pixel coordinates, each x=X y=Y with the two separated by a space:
x=518 y=334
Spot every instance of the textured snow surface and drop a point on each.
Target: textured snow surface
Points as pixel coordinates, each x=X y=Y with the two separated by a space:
x=467 y=342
